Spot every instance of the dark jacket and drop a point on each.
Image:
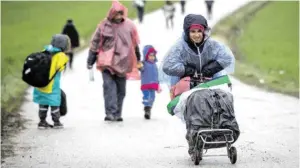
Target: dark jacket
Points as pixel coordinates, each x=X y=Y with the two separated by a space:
x=70 y=30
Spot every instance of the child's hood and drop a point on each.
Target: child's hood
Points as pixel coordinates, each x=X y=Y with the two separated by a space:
x=147 y=50
x=61 y=41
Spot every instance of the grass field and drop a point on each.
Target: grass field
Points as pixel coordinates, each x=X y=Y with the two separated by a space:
x=268 y=45
x=27 y=26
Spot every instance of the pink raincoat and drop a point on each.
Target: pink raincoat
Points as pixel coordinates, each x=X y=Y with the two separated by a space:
x=115 y=44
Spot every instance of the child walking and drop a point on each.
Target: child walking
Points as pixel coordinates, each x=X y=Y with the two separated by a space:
x=50 y=95
x=149 y=79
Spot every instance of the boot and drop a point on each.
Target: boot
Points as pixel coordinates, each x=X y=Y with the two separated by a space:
x=119 y=118
x=147 y=110
x=57 y=123
x=43 y=123
x=109 y=117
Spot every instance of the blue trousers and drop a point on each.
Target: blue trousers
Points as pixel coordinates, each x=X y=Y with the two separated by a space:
x=148 y=97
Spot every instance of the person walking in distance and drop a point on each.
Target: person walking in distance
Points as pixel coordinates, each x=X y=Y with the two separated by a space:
x=182 y=4
x=71 y=31
x=209 y=6
x=169 y=10
x=140 y=6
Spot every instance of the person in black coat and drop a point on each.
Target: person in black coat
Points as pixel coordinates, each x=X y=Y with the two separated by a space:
x=70 y=30
x=209 y=6
x=182 y=4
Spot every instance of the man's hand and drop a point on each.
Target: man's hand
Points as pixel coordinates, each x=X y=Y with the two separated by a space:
x=91 y=59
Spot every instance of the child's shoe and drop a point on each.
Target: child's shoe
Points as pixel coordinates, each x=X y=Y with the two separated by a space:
x=43 y=124
x=55 y=118
x=58 y=125
x=147 y=110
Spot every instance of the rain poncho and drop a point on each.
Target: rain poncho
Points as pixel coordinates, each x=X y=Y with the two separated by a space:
x=181 y=54
x=172 y=67
x=115 y=43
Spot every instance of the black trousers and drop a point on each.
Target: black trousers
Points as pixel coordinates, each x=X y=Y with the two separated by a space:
x=114 y=90
x=140 y=11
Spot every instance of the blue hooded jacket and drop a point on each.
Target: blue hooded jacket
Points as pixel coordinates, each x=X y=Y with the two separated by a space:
x=149 y=72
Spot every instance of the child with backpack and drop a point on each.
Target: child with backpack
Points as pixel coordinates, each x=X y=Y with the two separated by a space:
x=42 y=70
x=149 y=79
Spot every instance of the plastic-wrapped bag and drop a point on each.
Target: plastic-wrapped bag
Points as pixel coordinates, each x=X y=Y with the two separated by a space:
x=182 y=86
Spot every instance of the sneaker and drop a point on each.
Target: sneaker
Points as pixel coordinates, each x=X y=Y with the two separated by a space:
x=43 y=125
x=120 y=119
x=109 y=118
x=58 y=125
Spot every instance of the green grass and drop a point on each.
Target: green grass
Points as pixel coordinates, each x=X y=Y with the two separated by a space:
x=27 y=26
x=270 y=43
x=266 y=43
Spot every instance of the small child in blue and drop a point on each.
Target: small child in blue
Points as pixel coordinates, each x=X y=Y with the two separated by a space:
x=149 y=75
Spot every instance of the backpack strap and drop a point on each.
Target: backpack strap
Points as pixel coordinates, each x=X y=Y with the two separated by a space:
x=56 y=72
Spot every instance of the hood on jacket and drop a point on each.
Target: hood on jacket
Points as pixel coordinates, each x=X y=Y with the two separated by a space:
x=195 y=19
x=115 y=8
x=61 y=41
x=147 y=50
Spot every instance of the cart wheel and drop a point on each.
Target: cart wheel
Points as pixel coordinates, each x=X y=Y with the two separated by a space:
x=198 y=157
x=232 y=155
